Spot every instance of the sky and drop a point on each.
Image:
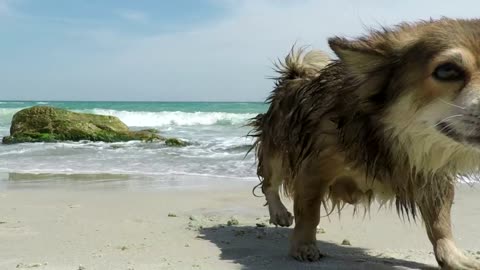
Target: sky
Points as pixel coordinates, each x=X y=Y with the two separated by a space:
x=182 y=50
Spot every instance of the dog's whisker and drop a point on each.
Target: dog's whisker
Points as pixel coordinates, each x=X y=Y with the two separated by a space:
x=451 y=104
x=447 y=127
x=445 y=119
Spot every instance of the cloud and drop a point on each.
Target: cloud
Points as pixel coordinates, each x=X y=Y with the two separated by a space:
x=5 y=8
x=226 y=59
x=133 y=15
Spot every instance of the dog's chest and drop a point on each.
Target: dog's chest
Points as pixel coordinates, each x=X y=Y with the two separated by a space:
x=352 y=186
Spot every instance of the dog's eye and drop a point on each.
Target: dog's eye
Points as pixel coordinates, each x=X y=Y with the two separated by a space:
x=448 y=72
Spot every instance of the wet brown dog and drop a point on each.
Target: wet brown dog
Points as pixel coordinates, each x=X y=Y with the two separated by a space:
x=395 y=119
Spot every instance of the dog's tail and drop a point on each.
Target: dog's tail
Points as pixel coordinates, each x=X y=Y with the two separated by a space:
x=299 y=64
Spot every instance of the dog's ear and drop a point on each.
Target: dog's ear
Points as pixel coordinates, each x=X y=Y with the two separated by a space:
x=361 y=57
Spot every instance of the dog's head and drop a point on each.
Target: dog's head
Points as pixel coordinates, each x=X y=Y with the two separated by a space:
x=420 y=78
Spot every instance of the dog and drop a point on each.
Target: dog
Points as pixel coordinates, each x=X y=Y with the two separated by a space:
x=394 y=119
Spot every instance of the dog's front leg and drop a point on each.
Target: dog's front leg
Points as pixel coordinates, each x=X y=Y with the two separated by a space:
x=436 y=214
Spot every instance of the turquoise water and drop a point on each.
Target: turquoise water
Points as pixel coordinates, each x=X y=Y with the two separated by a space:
x=216 y=131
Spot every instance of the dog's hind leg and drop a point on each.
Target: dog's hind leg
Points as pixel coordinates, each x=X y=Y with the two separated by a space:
x=303 y=246
x=436 y=214
x=273 y=178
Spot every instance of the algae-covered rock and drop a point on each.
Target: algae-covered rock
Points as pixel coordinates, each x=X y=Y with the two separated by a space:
x=48 y=124
x=175 y=142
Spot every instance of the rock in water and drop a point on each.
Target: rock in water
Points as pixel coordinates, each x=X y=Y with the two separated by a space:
x=175 y=142
x=48 y=124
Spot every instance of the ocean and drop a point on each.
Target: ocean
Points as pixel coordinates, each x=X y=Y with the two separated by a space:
x=215 y=130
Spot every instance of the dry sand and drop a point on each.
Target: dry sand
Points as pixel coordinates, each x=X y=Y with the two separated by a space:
x=121 y=229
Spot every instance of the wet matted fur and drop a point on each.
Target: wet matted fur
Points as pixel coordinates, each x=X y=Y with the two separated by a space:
x=396 y=118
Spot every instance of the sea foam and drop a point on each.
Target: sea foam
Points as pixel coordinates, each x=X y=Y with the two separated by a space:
x=168 y=118
x=156 y=119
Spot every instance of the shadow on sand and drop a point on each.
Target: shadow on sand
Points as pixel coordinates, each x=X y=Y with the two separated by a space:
x=266 y=248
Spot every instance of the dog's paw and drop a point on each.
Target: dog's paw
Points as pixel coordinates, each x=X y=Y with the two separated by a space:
x=306 y=253
x=463 y=263
x=281 y=217
x=459 y=263
x=450 y=258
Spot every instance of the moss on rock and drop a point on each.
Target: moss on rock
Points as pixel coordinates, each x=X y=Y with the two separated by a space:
x=175 y=142
x=48 y=124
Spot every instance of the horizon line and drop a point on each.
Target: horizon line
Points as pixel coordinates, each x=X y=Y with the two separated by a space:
x=135 y=101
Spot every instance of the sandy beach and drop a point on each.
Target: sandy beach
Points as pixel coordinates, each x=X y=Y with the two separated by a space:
x=61 y=227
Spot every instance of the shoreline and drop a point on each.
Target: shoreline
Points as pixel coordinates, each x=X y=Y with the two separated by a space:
x=117 y=181
x=131 y=229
